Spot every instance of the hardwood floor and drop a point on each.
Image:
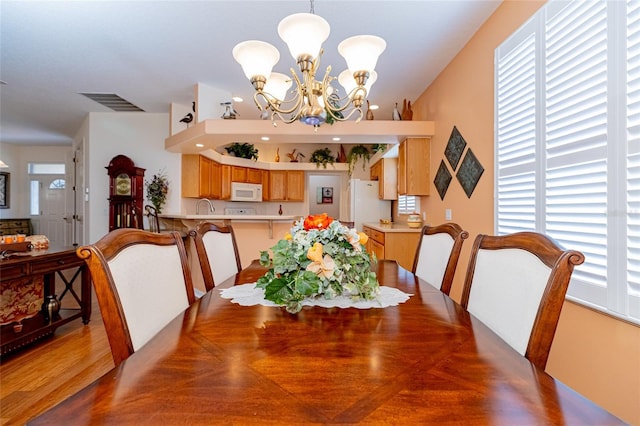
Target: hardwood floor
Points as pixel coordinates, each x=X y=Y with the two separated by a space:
x=37 y=378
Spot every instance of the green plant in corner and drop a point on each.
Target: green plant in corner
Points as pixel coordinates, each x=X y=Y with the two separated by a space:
x=322 y=156
x=242 y=150
x=357 y=152
x=378 y=147
x=157 y=189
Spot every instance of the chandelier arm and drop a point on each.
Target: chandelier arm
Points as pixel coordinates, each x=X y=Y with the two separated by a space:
x=347 y=116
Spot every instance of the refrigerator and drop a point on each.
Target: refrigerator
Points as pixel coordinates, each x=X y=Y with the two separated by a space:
x=364 y=204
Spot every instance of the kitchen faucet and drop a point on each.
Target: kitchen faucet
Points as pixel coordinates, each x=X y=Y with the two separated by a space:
x=210 y=204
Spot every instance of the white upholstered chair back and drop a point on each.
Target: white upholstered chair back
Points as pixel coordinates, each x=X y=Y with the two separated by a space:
x=506 y=291
x=217 y=252
x=221 y=255
x=151 y=288
x=142 y=282
x=515 y=285
x=437 y=255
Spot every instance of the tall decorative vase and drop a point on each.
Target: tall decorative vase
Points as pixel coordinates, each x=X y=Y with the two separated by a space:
x=50 y=308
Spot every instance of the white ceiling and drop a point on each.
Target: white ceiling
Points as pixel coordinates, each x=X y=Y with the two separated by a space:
x=152 y=53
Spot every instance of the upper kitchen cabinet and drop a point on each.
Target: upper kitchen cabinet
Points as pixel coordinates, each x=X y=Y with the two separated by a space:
x=205 y=178
x=246 y=174
x=196 y=176
x=385 y=171
x=413 y=166
x=285 y=185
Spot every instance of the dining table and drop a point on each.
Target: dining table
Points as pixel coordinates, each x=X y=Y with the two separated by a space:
x=423 y=361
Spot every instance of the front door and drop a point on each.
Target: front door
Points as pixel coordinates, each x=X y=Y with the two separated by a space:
x=54 y=221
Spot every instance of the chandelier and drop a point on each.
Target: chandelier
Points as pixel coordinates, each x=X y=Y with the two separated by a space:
x=312 y=101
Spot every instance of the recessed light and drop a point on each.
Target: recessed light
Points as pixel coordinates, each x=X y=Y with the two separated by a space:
x=373 y=107
x=265 y=138
x=199 y=145
x=237 y=99
x=336 y=139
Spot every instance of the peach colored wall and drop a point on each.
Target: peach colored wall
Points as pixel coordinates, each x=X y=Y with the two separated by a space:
x=594 y=354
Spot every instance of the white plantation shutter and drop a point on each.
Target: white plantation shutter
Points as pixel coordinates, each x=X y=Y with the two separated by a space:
x=407 y=204
x=516 y=135
x=575 y=123
x=633 y=158
x=568 y=142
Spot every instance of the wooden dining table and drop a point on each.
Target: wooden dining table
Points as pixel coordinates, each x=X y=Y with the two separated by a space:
x=424 y=361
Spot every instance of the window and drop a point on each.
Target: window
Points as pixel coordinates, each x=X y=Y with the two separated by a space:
x=568 y=142
x=46 y=168
x=407 y=204
x=57 y=184
x=34 y=200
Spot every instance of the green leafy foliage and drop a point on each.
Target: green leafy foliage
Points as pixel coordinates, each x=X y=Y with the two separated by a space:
x=243 y=150
x=157 y=189
x=299 y=269
x=322 y=157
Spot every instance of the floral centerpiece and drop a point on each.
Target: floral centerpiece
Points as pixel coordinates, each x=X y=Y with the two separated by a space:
x=157 y=190
x=320 y=257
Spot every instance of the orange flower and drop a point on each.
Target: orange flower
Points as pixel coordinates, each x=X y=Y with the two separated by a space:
x=287 y=236
x=318 y=221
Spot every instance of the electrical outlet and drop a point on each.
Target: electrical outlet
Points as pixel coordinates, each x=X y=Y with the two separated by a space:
x=447 y=214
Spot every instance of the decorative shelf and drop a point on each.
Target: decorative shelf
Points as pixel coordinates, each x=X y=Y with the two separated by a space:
x=216 y=132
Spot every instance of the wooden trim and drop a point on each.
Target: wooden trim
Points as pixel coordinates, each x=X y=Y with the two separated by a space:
x=198 y=238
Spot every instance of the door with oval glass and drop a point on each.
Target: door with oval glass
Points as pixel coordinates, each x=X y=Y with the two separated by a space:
x=49 y=208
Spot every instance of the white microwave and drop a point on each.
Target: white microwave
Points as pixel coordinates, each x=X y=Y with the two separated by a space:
x=246 y=191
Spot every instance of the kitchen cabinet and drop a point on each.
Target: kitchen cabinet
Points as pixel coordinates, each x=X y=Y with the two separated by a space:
x=221 y=177
x=413 y=166
x=285 y=185
x=205 y=178
x=254 y=175
x=397 y=243
x=385 y=171
x=196 y=176
x=246 y=174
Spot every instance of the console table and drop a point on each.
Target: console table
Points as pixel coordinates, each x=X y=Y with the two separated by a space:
x=41 y=267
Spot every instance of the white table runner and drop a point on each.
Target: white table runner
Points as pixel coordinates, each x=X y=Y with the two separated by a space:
x=250 y=295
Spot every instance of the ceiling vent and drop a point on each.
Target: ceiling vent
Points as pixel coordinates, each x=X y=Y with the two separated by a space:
x=113 y=101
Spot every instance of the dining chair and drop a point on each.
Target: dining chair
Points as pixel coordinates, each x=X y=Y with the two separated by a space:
x=217 y=252
x=516 y=284
x=437 y=254
x=142 y=281
x=152 y=217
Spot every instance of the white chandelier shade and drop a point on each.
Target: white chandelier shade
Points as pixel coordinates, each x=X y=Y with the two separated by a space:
x=277 y=86
x=304 y=33
x=361 y=52
x=256 y=57
x=312 y=101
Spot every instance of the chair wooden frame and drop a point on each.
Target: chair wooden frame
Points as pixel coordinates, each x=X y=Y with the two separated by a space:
x=97 y=257
x=562 y=262
x=198 y=238
x=152 y=217
x=458 y=235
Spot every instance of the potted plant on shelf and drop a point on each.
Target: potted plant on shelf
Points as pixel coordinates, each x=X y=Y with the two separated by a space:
x=242 y=150
x=357 y=152
x=322 y=156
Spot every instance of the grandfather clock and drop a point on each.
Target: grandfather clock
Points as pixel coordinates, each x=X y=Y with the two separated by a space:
x=126 y=193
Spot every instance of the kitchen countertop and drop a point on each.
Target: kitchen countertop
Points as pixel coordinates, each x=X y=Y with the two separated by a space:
x=227 y=217
x=392 y=227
